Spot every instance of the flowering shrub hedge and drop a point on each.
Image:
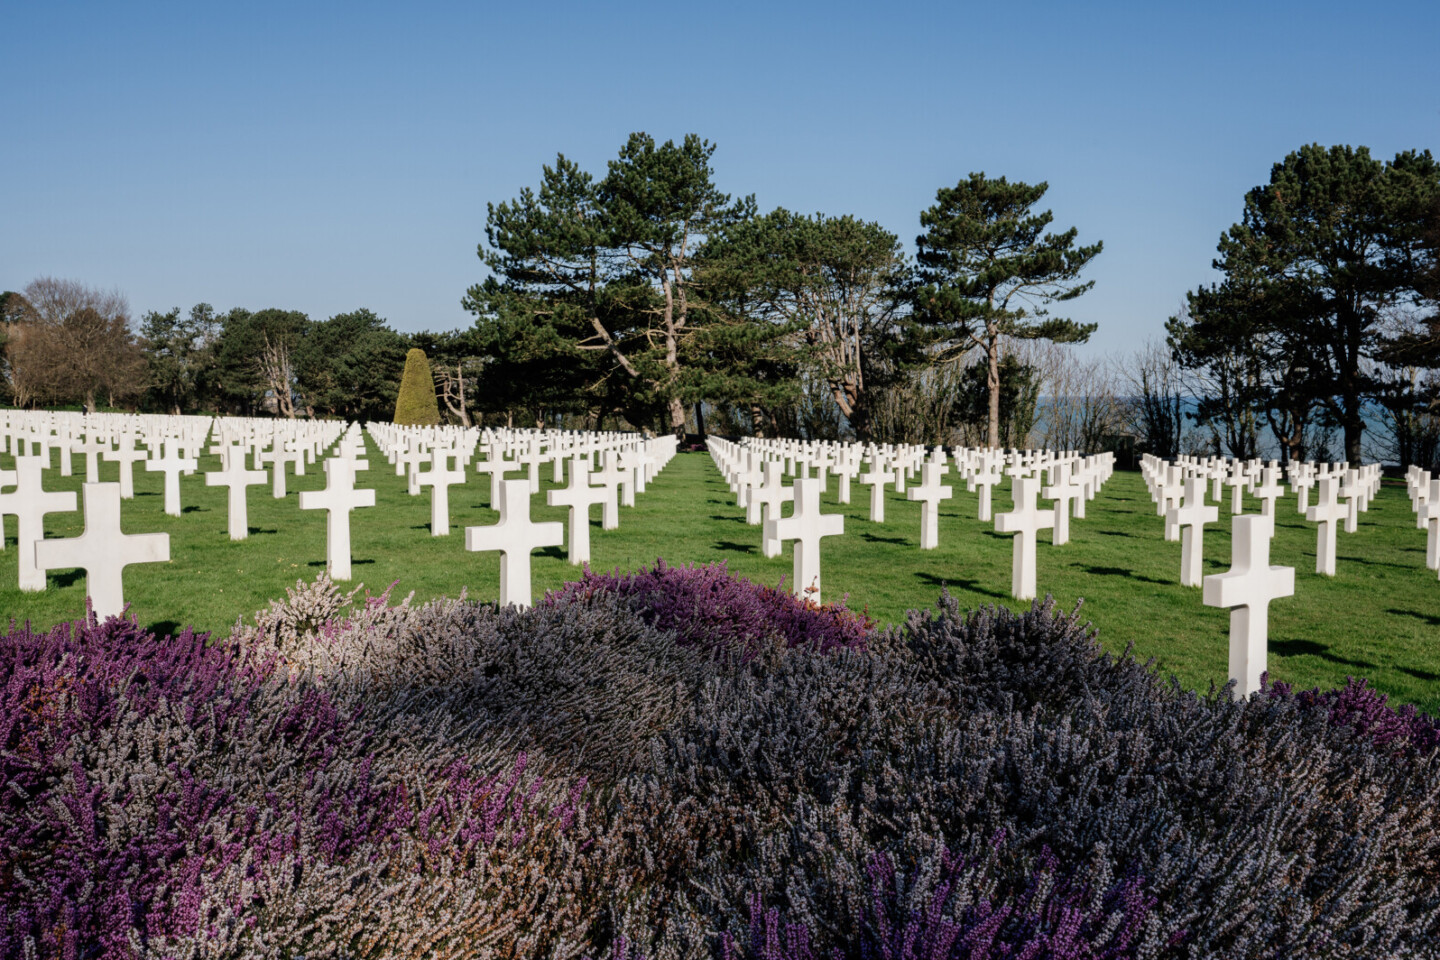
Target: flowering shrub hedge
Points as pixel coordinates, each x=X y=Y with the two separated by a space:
x=594 y=777
x=705 y=606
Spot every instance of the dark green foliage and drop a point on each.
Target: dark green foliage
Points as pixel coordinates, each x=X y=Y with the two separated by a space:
x=1019 y=398
x=1314 y=272
x=607 y=268
x=255 y=361
x=416 y=404
x=182 y=354
x=834 y=281
x=989 y=270
x=346 y=367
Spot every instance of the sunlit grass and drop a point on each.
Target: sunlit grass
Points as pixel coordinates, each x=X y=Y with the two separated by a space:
x=1378 y=618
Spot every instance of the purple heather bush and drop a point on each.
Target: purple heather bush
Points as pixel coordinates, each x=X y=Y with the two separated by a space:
x=704 y=606
x=680 y=765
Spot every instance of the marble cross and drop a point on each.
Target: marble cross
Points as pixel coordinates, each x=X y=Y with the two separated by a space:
x=92 y=446
x=1430 y=520
x=769 y=499
x=439 y=478
x=172 y=464
x=1269 y=491
x=1351 y=492
x=579 y=496
x=126 y=454
x=1025 y=520
x=930 y=493
x=496 y=466
x=806 y=527
x=339 y=497
x=876 y=480
x=1191 y=518
x=1063 y=491
x=102 y=551
x=235 y=476
x=1248 y=589
x=610 y=476
x=515 y=536
x=1326 y=512
x=29 y=502
x=985 y=481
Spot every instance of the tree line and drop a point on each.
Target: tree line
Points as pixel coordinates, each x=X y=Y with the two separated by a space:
x=643 y=296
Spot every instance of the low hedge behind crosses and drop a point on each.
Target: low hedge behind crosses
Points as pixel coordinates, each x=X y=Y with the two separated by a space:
x=678 y=764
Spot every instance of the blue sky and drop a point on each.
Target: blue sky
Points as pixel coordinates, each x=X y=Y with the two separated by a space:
x=324 y=157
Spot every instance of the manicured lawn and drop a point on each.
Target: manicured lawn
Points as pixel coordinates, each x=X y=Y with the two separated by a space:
x=1379 y=618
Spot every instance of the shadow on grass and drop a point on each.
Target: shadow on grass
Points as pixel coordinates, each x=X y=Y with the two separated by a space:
x=969 y=584
x=1429 y=618
x=353 y=563
x=1419 y=674
x=557 y=552
x=1371 y=563
x=1122 y=572
x=1303 y=648
x=731 y=545
x=255 y=530
x=193 y=509
x=1114 y=533
x=872 y=538
x=163 y=628
x=717 y=516
x=66 y=579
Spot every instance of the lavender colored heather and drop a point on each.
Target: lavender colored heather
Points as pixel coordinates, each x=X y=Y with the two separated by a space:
x=705 y=606
x=168 y=797
x=592 y=778
x=1360 y=707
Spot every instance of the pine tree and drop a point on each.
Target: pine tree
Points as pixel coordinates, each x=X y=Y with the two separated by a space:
x=416 y=405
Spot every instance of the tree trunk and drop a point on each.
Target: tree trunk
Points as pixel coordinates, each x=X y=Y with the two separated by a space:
x=677 y=418
x=700 y=419
x=992 y=380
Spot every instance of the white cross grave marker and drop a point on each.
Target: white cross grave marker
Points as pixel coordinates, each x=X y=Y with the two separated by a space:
x=30 y=502
x=1327 y=512
x=102 y=551
x=929 y=493
x=438 y=479
x=1024 y=521
x=126 y=455
x=172 y=464
x=1248 y=589
x=338 y=498
x=1191 y=518
x=806 y=527
x=235 y=476
x=515 y=536
x=578 y=496
x=876 y=480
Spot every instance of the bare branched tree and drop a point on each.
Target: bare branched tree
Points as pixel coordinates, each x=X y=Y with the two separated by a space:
x=1153 y=382
x=73 y=342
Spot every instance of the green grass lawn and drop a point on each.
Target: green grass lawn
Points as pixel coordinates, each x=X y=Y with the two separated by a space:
x=1379 y=618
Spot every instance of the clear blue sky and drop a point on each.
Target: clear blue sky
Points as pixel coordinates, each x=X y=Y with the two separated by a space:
x=324 y=157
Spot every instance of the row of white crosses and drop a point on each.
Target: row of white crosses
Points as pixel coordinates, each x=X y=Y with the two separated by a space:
x=1252 y=582
x=170 y=445
x=1423 y=490
x=755 y=470
x=103 y=550
x=1178 y=489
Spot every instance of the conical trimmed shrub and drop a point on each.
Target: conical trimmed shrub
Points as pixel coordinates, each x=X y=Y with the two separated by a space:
x=416 y=404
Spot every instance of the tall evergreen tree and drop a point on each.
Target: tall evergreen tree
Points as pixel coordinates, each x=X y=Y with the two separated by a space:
x=835 y=282
x=1327 y=251
x=608 y=267
x=989 y=270
x=416 y=405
